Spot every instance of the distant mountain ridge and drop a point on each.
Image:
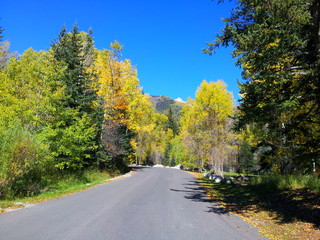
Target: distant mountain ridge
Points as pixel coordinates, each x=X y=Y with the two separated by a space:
x=162 y=104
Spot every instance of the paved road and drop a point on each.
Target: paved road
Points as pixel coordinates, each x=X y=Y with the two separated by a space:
x=152 y=204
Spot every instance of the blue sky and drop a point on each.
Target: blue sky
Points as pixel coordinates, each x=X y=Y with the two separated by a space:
x=164 y=39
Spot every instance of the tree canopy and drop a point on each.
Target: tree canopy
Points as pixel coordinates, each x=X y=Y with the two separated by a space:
x=204 y=124
x=277 y=45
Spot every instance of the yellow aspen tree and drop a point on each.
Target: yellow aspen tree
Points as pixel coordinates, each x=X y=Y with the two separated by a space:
x=204 y=124
x=141 y=122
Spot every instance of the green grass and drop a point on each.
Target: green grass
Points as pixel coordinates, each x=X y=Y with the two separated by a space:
x=270 y=183
x=60 y=186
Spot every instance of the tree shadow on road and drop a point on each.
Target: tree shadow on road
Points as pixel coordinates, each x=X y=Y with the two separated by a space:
x=286 y=206
x=195 y=192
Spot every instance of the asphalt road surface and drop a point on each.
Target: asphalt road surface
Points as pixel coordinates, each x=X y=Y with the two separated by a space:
x=152 y=204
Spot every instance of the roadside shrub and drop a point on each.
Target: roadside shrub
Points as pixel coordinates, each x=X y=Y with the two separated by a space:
x=188 y=165
x=312 y=182
x=279 y=182
x=24 y=159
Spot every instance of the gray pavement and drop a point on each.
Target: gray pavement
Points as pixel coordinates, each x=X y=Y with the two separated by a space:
x=152 y=204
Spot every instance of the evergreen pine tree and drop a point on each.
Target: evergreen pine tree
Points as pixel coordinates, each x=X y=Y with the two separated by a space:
x=81 y=110
x=246 y=158
x=172 y=123
x=75 y=50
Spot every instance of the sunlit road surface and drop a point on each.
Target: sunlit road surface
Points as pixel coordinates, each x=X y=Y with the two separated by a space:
x=151 y=204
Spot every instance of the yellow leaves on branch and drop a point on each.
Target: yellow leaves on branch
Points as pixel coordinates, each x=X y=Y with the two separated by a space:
x=204 y=122
x=140 y=113
x=124 y=103
x=214 y=100
x=273 y=44
x=118 y=85
x=213 y=104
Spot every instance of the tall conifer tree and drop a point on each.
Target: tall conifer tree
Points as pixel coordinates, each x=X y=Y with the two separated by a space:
x=81 y=115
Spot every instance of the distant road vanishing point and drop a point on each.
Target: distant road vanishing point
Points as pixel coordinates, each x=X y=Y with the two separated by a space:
x=152 y=204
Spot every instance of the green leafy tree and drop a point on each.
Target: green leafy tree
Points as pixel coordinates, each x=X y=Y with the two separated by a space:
x=25 y=160
x=30 y=90
x=178 y=152
x=29 y=94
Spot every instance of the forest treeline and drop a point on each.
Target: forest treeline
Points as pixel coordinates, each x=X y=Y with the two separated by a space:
x=75 y=107
x=72 y=108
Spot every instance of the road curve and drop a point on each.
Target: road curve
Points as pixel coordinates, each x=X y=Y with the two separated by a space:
x=152 y=204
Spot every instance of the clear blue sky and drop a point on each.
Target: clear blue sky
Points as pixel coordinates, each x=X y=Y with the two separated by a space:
x=164 y=39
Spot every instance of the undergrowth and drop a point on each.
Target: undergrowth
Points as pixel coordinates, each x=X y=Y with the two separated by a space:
x=58 y=186
x=282 y=182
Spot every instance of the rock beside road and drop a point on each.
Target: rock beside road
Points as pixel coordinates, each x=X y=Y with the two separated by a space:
x=218 y=179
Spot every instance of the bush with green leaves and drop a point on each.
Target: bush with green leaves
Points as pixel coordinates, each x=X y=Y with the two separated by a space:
x=24 y=159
